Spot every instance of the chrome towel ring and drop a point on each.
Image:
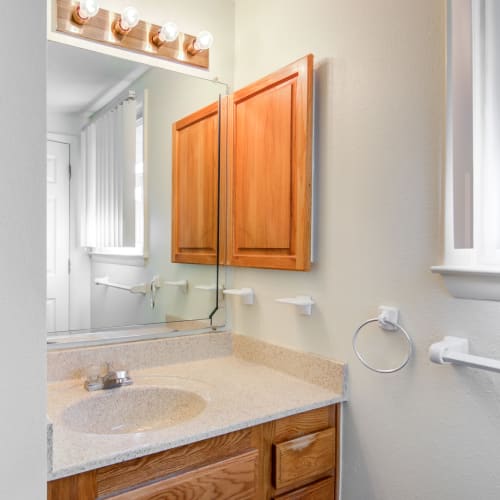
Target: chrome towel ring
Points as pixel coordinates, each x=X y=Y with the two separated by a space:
x=387 y=320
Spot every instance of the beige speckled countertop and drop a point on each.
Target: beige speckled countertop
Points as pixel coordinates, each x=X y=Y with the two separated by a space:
x=238 y=388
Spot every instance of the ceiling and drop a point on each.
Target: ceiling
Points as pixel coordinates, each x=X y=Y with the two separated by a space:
x=78 y=78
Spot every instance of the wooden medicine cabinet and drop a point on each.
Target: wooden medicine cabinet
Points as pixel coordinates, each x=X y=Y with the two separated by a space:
x=266 y=137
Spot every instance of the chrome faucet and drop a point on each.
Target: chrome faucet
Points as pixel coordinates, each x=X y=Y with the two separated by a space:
x=112 y=379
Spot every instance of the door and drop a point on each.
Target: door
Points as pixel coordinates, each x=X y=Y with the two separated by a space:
x=57 y=236
x=270 y=170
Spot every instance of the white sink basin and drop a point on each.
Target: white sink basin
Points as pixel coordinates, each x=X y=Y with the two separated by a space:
x=132 y=409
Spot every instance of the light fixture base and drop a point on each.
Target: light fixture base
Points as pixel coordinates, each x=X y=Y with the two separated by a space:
x=77 y=18
x=118 y=29
x=99 y=27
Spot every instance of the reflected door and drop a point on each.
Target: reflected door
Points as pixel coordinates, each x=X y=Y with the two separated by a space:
x=57 y=236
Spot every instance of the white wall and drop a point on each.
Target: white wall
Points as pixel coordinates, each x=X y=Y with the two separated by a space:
x=23 y=260
x=216 y=16
x=428 y=432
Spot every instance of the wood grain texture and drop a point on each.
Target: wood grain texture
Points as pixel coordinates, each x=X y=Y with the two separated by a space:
x=78 y=487
x=195 y=187
x=99 y=29
x=303 y=459
x=304 y=423
x=269 y=170
x=263 y=440
x=124 y=475
x=321 y=490
x=232 y=479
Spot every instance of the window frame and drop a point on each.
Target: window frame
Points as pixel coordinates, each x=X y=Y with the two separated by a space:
x=472 y=273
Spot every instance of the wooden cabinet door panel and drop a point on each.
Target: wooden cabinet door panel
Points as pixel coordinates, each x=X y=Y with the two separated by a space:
x=269 y=170
x=194 y=187
x=81 y=486
x=231 y=479
x=121 y=476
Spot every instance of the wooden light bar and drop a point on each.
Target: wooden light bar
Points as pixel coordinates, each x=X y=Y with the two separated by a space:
x=100 y=29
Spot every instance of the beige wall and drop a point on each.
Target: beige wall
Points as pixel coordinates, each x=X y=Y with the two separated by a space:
x=23 y=262
x=428 y=432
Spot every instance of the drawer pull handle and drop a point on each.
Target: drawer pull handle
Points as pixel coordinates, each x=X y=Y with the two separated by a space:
x=302 y=443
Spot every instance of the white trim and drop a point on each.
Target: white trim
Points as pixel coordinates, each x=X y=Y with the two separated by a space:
x=123 y=260
x=120 y=336
x=471 y=283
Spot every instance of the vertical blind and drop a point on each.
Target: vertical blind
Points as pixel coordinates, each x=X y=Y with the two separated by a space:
x=108 y=160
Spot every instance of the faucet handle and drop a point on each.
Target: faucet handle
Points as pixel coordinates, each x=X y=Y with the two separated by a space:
x=93 y=373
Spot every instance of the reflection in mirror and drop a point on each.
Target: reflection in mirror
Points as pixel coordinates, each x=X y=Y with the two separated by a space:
x=109 y=195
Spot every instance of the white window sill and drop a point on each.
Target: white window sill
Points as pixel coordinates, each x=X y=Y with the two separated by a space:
x=122 y=259
x=477 y=283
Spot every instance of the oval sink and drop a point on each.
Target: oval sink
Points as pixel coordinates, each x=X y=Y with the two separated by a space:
x=132 y=409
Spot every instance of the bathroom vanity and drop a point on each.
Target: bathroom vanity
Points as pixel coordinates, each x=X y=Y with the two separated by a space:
x=288 y=458
x=244 y=419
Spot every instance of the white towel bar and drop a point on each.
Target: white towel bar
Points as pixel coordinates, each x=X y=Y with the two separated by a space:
x=139 y=288
x=455 y=350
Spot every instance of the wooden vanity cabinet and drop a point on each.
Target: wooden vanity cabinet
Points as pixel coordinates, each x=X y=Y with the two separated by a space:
x=293 y=458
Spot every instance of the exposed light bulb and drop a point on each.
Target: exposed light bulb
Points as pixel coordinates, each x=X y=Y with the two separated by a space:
x=129 y=18
x=85 y=10
x=204 y=40
x=168 y=32
x=88 y=8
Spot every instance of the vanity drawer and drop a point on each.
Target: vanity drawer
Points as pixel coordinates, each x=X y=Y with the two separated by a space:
x=116 y=478
x=322 y=490
x=233 y=479
x=303 y=459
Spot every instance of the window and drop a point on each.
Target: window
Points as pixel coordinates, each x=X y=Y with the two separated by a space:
x=472 y=188
x=113 y=158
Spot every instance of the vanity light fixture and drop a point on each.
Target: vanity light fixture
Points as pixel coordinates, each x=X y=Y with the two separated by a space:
x=129 y=18
x=87 y=20
x=85 y=10
x=167 y=33
x=203 y=41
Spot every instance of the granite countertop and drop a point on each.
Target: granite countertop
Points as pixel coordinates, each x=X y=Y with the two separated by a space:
x=239 y=392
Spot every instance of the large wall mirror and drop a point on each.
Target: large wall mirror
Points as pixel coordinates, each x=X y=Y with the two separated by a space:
x=113 y=142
